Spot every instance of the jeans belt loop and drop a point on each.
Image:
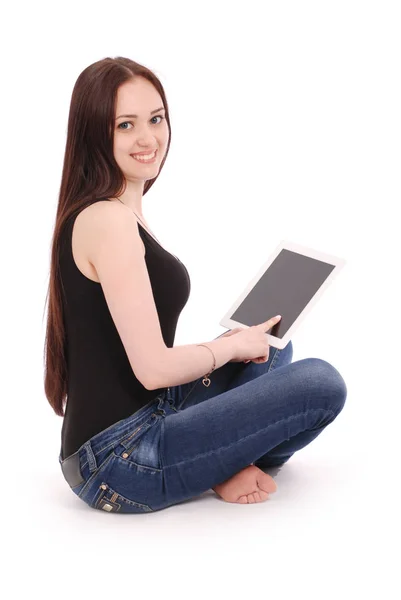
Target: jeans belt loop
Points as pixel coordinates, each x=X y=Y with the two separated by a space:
x=91 y=457
x=162 y=398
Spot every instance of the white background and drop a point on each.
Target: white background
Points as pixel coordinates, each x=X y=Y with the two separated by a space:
x=285 y=125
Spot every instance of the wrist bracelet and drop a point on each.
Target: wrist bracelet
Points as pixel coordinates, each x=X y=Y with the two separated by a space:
x=206 y=380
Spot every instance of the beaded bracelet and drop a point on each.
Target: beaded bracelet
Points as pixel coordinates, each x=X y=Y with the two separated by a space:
x=206 y=377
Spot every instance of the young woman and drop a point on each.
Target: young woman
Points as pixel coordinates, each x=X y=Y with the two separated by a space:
x=144 y=427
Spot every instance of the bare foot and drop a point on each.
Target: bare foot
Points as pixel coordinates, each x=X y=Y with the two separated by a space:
x=248 y=486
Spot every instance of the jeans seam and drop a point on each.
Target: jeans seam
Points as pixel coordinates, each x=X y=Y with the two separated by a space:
x=312 y=410
x=190 y=392
x=273 y=362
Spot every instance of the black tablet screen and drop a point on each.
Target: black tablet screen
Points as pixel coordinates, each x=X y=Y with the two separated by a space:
x=285 y=288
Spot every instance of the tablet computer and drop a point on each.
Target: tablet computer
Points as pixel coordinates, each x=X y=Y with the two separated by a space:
x=289 y=284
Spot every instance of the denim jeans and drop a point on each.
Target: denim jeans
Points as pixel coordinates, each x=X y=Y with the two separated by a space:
x=192 y=437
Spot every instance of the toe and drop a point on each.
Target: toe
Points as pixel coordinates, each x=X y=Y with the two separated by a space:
x=266 y=483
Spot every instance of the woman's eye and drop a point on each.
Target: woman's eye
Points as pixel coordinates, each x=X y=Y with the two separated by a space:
x=129 y=122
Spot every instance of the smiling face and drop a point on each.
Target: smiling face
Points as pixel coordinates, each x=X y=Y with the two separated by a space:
x=140 y=126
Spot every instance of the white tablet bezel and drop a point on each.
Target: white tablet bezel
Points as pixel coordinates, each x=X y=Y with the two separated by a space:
x=276 y=342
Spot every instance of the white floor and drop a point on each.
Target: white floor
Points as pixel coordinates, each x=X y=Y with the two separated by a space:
x=330 y=531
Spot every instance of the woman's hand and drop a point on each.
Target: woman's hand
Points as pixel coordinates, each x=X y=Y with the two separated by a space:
x=233 y=332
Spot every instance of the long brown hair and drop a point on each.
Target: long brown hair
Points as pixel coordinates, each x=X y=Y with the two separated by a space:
x=89 y=172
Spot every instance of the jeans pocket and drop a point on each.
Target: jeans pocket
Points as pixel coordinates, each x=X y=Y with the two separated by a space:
x=108 y=499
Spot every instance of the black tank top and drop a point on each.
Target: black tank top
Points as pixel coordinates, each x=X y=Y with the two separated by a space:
x=102 y=387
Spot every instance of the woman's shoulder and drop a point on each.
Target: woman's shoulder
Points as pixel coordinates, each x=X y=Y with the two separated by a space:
x=99 y=213
x=100 y=209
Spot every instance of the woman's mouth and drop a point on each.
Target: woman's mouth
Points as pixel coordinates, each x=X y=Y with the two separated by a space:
x=146 y=160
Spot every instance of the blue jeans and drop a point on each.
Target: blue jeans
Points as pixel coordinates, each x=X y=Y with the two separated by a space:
x=192 y=437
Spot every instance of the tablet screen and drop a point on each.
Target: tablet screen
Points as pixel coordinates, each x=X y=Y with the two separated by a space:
x=285 y=288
